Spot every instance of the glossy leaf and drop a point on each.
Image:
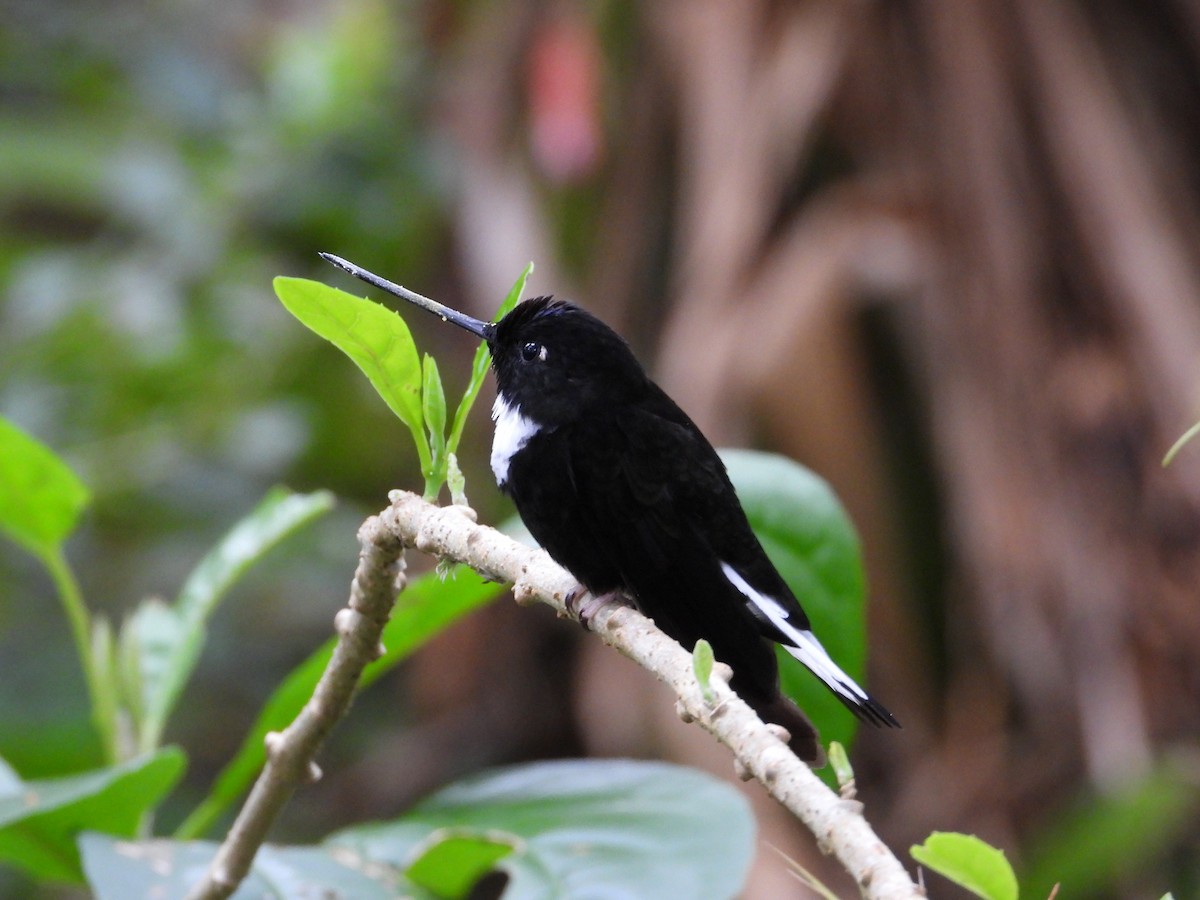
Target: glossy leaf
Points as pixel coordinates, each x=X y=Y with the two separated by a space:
x=120 y=870
x=425 y=608
x=40 y=497
x=970 y=863
x=167 y=640
x=483 y=359
x=40 y=821
x=615 y=828
x=810 y=539
x=374 y=337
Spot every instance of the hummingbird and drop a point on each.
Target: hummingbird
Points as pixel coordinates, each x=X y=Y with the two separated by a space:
x=624 y=491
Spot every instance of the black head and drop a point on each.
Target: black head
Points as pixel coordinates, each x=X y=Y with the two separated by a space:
x=558 y=362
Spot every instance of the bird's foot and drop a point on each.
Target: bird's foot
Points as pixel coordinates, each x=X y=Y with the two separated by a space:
x=583 y=604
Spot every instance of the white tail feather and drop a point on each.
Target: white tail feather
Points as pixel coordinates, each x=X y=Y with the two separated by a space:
x=804 y=644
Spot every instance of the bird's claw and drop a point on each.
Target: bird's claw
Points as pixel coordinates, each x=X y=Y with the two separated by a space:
x=583 y=604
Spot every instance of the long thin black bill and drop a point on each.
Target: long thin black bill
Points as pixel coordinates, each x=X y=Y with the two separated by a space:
x=445 y=313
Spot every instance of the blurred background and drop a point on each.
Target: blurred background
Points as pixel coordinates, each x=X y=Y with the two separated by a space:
x=944 y=252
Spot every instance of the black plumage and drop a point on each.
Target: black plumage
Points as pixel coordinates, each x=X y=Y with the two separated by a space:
x=623 y=490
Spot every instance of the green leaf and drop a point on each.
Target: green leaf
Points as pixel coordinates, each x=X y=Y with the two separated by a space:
x=483 y=359
x=39 y=823
x=374 y=337
x=839 y=761
x=810 y=539
x=969 y=863
x=426 y=608
x=119 y=870
x=168 y=639
x=105 y=682
x=613 y=828
x=433 y=402
x=1103 y=839
x=40 y=503
x=455 y=859
x=40 y=497
x=702 y=666
x=1180 y=444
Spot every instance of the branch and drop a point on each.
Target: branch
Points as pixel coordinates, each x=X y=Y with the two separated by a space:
x=838 y=824
x=451 y=533
x=290 y=754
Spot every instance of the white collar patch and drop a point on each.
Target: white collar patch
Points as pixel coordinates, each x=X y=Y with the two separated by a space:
x=513 y=432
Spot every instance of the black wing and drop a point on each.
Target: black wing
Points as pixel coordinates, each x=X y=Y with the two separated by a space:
x=656 y=488
x=651 y=496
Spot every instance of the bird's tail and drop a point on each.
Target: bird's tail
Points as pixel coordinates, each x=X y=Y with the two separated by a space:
x=805 y=647
x=803 y=738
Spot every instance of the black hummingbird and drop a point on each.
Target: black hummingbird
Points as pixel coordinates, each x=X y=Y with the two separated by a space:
x=622 y=489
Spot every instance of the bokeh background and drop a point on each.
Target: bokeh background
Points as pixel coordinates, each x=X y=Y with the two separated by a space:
x=943 y=252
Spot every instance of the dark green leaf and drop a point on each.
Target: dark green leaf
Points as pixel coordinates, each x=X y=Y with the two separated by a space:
x=483 y=359
x=808 y=536
x=40 y=497
x=120 y=870
x=425 y=608
x=374 y=337
x=168 y=639
x=39 y=824
x=614 y=828
x=969 y=863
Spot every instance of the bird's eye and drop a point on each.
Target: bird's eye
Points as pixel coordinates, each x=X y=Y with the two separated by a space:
x=532 y=351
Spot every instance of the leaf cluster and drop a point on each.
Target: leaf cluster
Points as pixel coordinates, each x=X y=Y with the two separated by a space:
x=381 y=345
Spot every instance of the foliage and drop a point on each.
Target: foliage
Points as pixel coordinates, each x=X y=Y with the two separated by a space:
x=530 y=822
x=839 y=763
x=40 y=820
x=616 y=828
x=380 y=344
x=969 y=862
x=134 y=678
x=702 y=665
x=428 y=606
x=1102 y=839
x=621 y=828
x=157 y=163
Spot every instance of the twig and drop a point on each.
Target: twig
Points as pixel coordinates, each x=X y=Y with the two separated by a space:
x=290 y=754
x=837 y=824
